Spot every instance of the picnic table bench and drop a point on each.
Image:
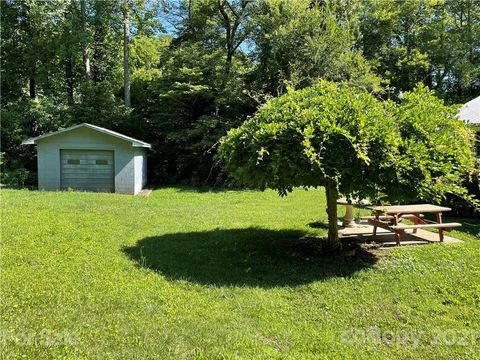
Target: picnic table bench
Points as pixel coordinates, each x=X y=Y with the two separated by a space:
x=391 y=217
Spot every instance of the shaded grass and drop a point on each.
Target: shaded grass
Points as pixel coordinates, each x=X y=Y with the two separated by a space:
x=188 y=274
x=252 y=257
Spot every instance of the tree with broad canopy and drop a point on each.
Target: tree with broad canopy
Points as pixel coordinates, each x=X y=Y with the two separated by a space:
x=345 y=139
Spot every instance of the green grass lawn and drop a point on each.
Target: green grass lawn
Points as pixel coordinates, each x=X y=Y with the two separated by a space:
x=223 y=274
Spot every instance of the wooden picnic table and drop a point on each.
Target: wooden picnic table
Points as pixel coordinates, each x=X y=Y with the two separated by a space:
x=391 y=217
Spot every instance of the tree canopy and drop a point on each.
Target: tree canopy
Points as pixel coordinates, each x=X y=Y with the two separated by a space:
x=345 y=139
x=197 y=68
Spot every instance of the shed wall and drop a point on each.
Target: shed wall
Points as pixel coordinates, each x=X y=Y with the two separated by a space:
x=140 y=169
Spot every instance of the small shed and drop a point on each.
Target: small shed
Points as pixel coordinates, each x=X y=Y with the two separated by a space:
x=91 y=158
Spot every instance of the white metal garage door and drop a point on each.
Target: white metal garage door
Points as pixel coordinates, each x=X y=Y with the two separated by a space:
x=90 y=170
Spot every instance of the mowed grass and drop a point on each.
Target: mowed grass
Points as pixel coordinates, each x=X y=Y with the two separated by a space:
x=221 y=274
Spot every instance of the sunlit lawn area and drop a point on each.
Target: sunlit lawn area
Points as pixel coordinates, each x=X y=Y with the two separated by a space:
x=185 y=273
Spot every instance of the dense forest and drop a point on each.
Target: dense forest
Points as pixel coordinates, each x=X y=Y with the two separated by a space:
x=180 y=74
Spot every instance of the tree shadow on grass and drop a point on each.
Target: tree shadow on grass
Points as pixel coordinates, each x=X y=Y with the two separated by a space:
x=198 y=189
x=318 y=225
x=243 y=257
x=469 y=226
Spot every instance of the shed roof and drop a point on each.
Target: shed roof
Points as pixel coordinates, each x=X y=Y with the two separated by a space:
x=470 y=112
x=135 y=142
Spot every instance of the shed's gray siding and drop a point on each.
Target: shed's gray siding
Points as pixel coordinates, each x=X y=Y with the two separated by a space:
x=126 y=179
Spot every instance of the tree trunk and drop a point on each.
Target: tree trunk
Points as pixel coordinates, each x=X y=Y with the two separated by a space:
x=69 y=76
x=26 y=25
x=232 y=23
x=68 y=52
x=332 y=197
x=32 y=86
x=228 y=61
x=126 y=53
x=99 y=52
x=86 y=59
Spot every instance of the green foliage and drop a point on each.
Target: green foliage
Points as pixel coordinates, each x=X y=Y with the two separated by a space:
x=436 y=148
x=24 y=119
x=18 y=177
x=190 y=105
x=296 y=44
x=199 y=68
x=110 y=114
x=305 y=137
x=414 y=150
x=435 y=42
x=145 y=52
x=32 y=46
x=467 y=205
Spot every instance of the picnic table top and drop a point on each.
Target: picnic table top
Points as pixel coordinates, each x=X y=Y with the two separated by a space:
x=409 y=209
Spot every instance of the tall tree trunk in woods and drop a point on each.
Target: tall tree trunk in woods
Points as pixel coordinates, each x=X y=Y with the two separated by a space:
x=232 y=20
x=126 y=53
x=86 y=59
x=469 y=32
x=69 y=75
x=189 y=12
x=332 y=197
x=31 y=64
x=68 y=52
x=228 y=62
x=32 y=85
x=98 y=56
x=229 y=34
